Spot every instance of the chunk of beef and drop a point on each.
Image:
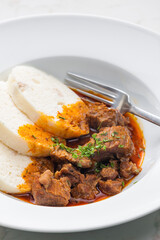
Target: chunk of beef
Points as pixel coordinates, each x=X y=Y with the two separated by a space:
x=128 y=169
x=109 y=173
x=61 y=155
x=100 y=115
x=111 y=187
x=49 y=191
x=87 y=189
x=84 y=191
x=69 y=171
x=46 y=178
x=113 y=142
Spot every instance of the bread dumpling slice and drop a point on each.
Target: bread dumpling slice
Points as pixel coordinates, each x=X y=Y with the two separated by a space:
x=12 y=165
x=17 y=171
x=48 y=102
x=18 y=132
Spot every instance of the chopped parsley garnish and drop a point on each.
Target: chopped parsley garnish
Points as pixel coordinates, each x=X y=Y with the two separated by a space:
x=55 y=140
x=99 y=126
x=55 y=144
x=107 y=140
x=142 y=149
x=73 y=151
x=139 y=155
x=97 y=139
x=117 y=137
x=104 y=134
x=62 y=117
x=104 y=147
x=115 y=133
x=98 y=146
x=68 y=149
x=112 y=165
x=34 y=137
x=137 y=170
x=74 y=155
x=135 y=182
x=99 y=166
x=94 y=135
x=96 y=164
x=123 y=184
x=121 y=146
x=102 y=165
x=62 y=146
x=87 y=150
x=79 y=164
x=97 y=170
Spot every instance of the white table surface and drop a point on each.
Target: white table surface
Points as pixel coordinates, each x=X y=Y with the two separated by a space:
x=141 y=12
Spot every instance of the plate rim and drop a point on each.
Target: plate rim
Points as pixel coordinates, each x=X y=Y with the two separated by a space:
x=111 y=19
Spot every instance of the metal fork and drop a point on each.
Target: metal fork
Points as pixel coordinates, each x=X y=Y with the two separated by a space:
x=117 y=98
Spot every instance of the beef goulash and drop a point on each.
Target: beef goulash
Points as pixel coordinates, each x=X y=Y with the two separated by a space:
x=59 y=148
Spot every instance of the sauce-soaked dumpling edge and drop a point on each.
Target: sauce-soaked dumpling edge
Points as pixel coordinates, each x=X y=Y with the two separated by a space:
x=18 y=132
x=17 y=171
x=12 y=165
x=45 y=100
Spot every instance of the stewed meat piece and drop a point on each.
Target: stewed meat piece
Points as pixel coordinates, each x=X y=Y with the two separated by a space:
x=109 y=173
x=87 y=189
x=112 y=142
x=109 y=143
x=84 y=191
x=49 y=191
x=61 y=155
x=69 y=171
x=100 y=115
x=111 y=187
x=128 y=169
x=45 y=178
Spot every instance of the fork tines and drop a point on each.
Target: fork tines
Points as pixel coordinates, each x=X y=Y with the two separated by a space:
x=83 y=85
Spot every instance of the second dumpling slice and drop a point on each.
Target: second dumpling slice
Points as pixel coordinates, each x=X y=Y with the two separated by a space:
x=18 y=132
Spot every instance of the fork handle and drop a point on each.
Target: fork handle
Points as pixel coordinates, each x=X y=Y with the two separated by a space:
x=145 y=115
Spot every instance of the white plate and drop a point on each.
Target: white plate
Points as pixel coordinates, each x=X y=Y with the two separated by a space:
x=113 y=52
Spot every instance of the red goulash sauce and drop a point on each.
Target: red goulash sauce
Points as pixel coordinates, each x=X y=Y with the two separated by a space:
x=139 y=143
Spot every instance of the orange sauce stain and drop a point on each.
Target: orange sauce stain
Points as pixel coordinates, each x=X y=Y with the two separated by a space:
x=37 y=165
x=69 y=123
x=39 y=141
